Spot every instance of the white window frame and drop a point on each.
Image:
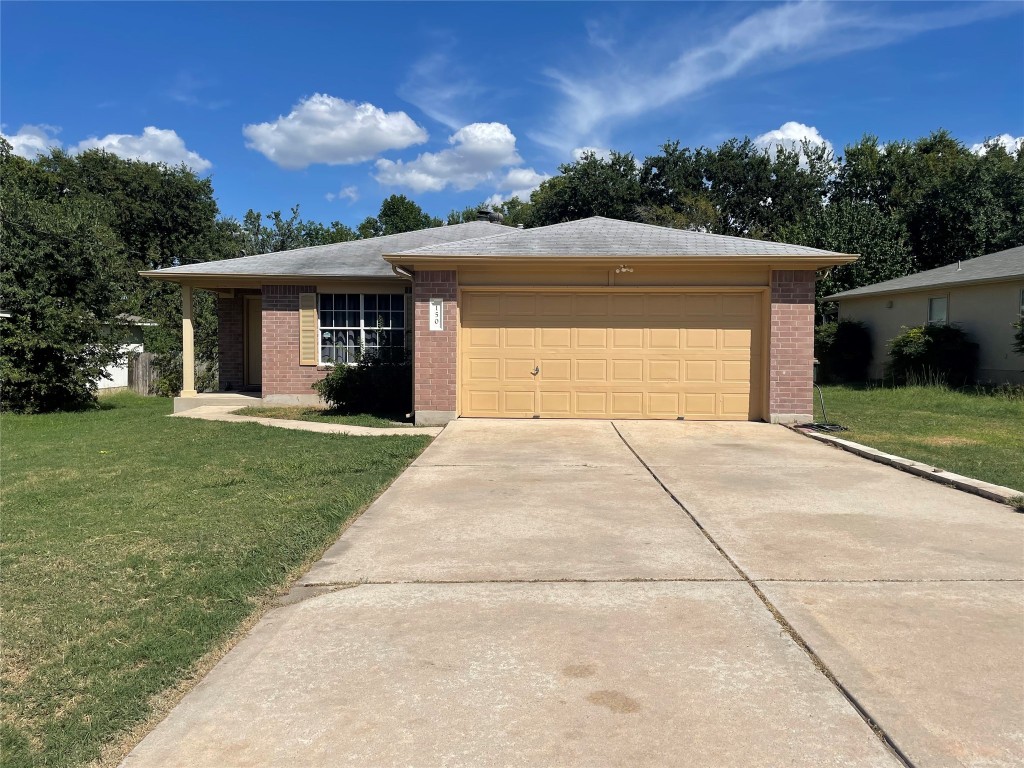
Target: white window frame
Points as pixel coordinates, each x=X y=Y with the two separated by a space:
x=928 y=317
x=362 y=328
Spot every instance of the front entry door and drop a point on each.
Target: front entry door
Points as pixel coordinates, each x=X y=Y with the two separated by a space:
x=253 y=342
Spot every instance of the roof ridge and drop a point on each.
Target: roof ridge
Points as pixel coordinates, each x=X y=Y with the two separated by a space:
x=464 y=240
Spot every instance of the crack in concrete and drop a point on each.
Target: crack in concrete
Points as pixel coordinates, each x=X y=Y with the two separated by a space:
x=628 y=580
x=788 y=628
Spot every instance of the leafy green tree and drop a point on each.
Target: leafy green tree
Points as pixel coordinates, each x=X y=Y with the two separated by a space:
x=400 y=214
x=591 y=186
x=61 y=281
x=281 y=234
x=854 y=227
x=463 y=216
x=369 y=227
x=157 y=216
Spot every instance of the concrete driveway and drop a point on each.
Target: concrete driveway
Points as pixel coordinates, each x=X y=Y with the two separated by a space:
x=568 y=593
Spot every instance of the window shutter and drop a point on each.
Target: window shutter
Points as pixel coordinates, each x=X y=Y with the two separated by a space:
x=307 y=329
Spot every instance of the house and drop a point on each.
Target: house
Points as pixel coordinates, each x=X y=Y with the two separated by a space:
x=116 y=375
x=984 y=296
x=596 y=318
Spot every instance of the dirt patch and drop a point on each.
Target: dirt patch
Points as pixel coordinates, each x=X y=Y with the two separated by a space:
x=616 y=701
x=947 y=441
x=579 y=670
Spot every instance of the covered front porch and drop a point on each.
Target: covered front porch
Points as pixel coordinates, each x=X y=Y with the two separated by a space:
x=240 y=348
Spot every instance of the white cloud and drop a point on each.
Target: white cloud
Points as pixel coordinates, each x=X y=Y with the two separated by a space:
x=325 y=129
x=1011 y=144
x=791 y=135
x=518 y=182
x=602 y=154
x=478 y=152
x=638 y=78
x=348 y=193
x=33 y=140
x=154 y=145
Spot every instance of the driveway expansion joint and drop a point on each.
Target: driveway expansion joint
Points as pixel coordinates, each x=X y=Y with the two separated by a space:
x=456 y=582
x=788 y=628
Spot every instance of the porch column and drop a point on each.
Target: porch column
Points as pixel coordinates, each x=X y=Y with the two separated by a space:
x=188 y=345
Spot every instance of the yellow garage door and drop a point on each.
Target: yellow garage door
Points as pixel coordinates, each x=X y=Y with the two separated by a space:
x=610 y=354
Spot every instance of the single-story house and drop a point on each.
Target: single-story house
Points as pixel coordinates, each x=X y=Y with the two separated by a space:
x=984 y=296
x=596 y=318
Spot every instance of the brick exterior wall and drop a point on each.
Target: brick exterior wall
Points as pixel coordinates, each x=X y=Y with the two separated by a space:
x=282 y=374
x=792 y=343
x=231 y=339
x=434 y=357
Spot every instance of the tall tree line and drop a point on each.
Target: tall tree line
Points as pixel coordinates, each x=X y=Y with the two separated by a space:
x=75 y=231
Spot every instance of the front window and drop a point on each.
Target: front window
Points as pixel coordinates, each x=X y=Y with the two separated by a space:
x=352 y=322
x=938 y=310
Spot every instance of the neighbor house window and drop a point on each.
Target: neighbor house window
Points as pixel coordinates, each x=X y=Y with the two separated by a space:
x=351 y=322
x=938 y=310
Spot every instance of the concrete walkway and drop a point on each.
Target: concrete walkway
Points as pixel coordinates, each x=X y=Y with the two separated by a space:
x=227 y=413
x=562 y=593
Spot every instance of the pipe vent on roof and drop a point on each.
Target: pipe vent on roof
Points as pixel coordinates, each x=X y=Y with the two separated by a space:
x=485 y=214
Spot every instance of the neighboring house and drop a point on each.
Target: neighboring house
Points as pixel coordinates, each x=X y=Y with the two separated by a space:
x=117 y=373
x=983 y=296
x=595 y=318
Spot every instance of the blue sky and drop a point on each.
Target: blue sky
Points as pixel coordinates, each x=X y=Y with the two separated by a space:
x=336 y=105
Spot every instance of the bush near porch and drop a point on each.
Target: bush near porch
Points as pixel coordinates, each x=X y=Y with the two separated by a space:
x=973 y=432
x=135 y=544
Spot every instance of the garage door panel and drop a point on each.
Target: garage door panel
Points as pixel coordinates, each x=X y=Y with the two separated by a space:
x=736 y=338
x=555 y=338
x=552 y=369
x=630 y=371
x=519 y=369
x=665 y=338
x=484 y=337
x=556 y=402
x=520 y=338
x=592 y=338
x=592 y=371
x=591 y=403
x=627 y=338
x=627 y=405
x=664 y=371
x=605 y=355
x=519 y=402
x=699 y=338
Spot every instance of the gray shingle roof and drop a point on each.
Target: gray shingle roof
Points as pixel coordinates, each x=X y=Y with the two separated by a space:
x=1006 y=264
x=601 y=237
x=356 y=258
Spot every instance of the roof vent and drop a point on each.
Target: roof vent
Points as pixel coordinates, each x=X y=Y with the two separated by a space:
x=485 y=214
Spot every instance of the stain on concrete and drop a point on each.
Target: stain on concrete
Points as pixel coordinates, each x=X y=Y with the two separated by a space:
x=616 y=701
x=579 y=670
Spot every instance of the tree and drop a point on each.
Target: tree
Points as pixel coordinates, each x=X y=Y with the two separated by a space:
x=281 y=234
x=854 y=227
x=591 y=186
x=61 y=278
x=152 y=216
x=400 y=214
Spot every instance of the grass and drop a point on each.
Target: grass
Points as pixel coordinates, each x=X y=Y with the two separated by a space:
x=134 y=544
x=975 y=434
x=306 y=413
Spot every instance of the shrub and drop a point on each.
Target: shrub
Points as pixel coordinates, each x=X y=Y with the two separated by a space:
x=933 y=353
x=843 y=349
x=379 y=384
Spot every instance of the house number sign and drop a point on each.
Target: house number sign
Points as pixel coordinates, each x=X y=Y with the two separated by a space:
x=437 y=314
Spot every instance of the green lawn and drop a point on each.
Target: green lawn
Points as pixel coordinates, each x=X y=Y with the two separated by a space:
x=306 y=413
x=133 y=544
x=974 y=434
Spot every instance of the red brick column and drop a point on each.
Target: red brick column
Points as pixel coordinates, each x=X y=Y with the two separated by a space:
x=434 y=358
x=791 y=394
x=284 y=380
